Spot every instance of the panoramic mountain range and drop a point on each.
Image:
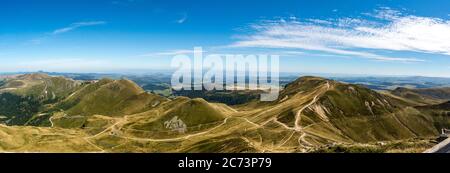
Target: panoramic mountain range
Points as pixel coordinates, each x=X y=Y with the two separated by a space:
x=43 y=113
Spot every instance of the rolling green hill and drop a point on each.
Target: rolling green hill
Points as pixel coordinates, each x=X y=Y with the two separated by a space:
x=326 y=111
x=424 y=96
x=312 y=114
x=42 y=87
x=109 y=97
x=24 y=96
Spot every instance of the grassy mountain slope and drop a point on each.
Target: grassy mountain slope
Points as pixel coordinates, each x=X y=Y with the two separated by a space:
x=38 y=139
x=178 y=117
x=311 y=113
x=424 y=96
x=111 y=98
x=325 y=111
x=23 y=96
x=40 y=86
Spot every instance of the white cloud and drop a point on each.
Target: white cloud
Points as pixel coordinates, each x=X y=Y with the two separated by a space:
x=292 y=53
x=319 y=21
x=77 y=25
x=389 y=30
x=183 y=19
x=385 y=13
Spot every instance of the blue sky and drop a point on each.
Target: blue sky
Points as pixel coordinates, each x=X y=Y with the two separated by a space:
x=375 y=37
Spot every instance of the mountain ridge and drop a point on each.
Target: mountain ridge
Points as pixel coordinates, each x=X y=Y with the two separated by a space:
x=312 y=112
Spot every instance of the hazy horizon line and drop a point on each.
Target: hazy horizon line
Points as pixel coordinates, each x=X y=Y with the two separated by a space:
x=284 y=74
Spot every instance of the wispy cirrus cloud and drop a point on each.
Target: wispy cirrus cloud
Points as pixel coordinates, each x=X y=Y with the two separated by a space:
x=71 y=27
x=384 y=29
x=77 y=25
x=182 y=19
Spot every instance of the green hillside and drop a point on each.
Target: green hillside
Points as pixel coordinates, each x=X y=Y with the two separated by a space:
x=424 y=96
x=312 y=114
x=328 y=111
x=109 y=97
x=44 y=88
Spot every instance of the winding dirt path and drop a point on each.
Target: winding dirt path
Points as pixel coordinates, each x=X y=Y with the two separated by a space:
x=299 y=114
x=295 y=129
x=178 y=138
x=51 y=121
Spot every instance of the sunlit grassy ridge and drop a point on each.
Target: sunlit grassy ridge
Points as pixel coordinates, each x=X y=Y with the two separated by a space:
x=109 y=97
x=119 y=116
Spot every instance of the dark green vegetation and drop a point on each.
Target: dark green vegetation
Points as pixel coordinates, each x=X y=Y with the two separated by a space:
x=227 y=97
x=24 y=97
x=380 y=147
x=17 y=110
x=312 y=114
